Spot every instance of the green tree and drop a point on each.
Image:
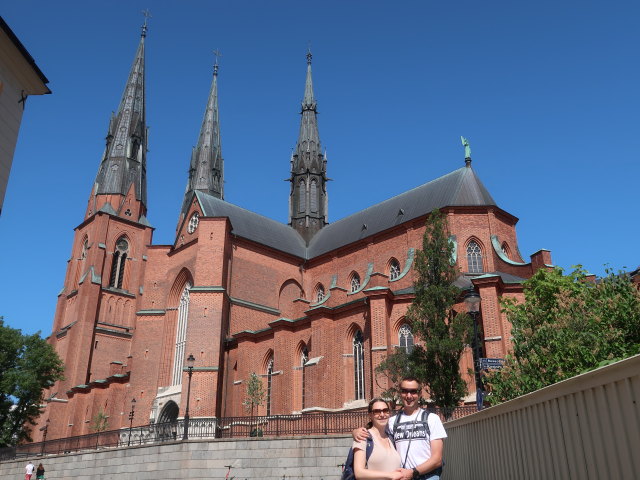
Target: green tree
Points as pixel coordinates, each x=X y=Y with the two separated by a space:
x=256 y=394
x=28 y=365
x=567 y=325
x=100 y=421
x=433 y=320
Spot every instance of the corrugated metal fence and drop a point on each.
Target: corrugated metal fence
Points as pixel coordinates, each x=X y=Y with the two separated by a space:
x=587 y=427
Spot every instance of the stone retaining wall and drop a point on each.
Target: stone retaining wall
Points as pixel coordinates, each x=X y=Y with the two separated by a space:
x=313 y=458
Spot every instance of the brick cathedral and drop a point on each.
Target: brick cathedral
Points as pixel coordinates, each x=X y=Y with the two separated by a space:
x=312 y=307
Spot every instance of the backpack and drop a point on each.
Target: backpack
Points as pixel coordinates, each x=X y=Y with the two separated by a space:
x=347 y=472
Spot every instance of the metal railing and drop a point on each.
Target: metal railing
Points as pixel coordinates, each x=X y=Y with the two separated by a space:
x=324 y=423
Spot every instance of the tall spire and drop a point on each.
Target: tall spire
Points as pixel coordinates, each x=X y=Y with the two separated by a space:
x=308 y=202
x=123 y=166
x=206 y=172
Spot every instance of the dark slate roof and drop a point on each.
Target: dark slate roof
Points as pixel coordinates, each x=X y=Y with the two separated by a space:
x=254 y=227
x=461 y=187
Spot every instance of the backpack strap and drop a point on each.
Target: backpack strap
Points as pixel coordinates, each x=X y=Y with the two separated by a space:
x=425 y=420
x=368 y=450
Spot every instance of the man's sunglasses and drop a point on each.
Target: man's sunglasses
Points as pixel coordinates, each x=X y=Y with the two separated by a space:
x=378 y=411
x=407 y=391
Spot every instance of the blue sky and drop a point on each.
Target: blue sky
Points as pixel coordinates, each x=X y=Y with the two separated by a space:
x=546 y=92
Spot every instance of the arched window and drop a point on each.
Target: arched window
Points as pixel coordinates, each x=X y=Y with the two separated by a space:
x=505 y=249
x=85 y=248
x=302 y=197
x=181 y=336
x=319 y=293
x=394 y=269
x=358 y=365
x=313 y=196
x=355 y=282
x=474 y=257
x=304 y=358
x=405 y=338
x=119 y=262
x=269 y=384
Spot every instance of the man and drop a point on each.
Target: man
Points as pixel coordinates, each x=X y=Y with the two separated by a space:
x=419 y=443
x=28 y=470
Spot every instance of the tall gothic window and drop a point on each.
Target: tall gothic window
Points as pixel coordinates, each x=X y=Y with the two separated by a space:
x=302 y=197
x=313 y=196
x=355 y=282
x=304 y=358
x=319 y=293
x=181 y=336
x=119 y=262
x=269 y=384
x=405 y=338
x=358 y=365
x=394 y=269
x=474 y=257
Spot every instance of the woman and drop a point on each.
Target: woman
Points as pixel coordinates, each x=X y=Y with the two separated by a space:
x=384 y=462
x=40 y=472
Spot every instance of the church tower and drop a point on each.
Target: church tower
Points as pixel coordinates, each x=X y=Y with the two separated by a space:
x=308 y=201
x=95 y=313
x=206 y=171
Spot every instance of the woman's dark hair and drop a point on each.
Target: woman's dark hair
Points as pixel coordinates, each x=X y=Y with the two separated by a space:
x=370 y=407
x=376 y=400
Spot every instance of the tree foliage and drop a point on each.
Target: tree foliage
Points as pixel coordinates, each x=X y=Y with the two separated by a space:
x=100 y=422
x=567 y=325
x=28 y=365
x=436 y=363
x=256 y=394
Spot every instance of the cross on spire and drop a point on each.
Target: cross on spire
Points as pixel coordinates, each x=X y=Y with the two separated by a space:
x=217 y=54
x=147 y=15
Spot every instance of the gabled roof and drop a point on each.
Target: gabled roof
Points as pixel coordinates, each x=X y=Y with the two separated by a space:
x=461 y=187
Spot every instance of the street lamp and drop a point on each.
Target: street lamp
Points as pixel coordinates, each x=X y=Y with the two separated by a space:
x=131 y=415
x=44 y=435
x=190 y=362
x=472 y=300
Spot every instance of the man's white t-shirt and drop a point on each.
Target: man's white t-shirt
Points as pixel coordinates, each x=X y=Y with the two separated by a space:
x=409 y=428
x=29 y=469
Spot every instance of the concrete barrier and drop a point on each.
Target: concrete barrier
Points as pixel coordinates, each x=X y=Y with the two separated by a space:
x=312 y=458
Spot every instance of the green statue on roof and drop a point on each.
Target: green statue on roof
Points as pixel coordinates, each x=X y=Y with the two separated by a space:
x=467 y=148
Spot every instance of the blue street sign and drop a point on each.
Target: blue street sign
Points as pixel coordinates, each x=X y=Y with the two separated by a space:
x=491 y=363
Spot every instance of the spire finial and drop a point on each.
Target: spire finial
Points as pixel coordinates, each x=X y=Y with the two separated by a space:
x=217 y=54
x=147 y=15
x=309 y=56
x=467 y=151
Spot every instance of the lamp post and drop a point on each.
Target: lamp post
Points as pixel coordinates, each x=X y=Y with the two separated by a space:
x=44 y=435
x=472 y=300
x=190 y=362
x=131 y=415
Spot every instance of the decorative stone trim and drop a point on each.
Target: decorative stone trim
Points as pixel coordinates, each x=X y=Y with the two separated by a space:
x=407 y=265
x=201 y=369
x=254 y=306
x=495 y=243
x=206 y=288
x=379 y=349
x=143 y=313
x=364 y=283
